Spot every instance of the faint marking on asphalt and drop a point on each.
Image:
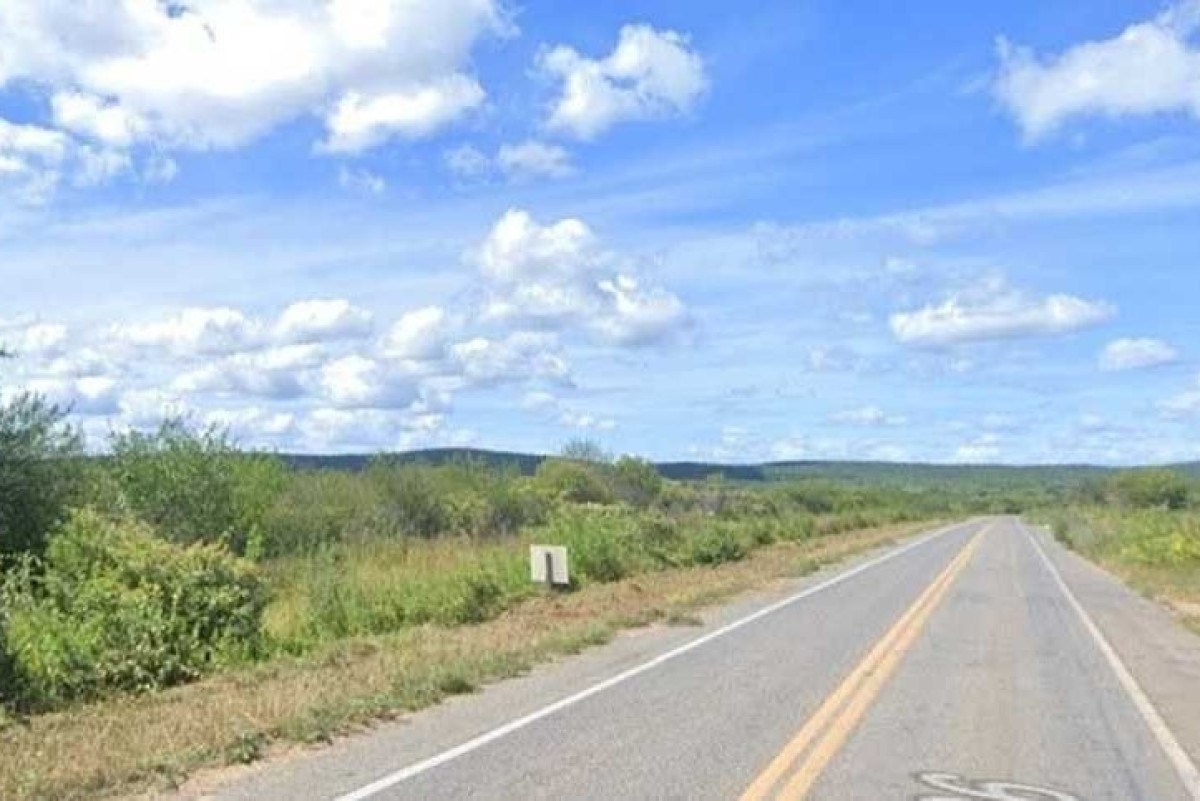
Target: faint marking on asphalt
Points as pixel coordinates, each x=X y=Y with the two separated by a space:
x=827 y=729
x=986 y=790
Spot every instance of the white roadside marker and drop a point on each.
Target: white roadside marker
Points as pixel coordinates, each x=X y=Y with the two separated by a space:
x=392 y=779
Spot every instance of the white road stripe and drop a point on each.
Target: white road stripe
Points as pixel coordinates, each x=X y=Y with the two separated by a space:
x=1184 y=767
x=499 y=732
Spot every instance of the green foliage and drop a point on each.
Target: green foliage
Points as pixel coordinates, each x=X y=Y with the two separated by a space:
x=585 y=450
x=636 y=481
x=113 y=607
x=573 y=481
x=40 y=471
x=195 y=485
x=1151 y=489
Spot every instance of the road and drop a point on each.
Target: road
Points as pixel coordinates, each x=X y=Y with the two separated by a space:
x=980 y=661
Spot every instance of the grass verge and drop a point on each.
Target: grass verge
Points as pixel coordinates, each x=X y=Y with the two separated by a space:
x=152 y=743
x=1157 y=552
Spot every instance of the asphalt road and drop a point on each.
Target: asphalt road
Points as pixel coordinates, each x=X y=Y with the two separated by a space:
x=979 y=662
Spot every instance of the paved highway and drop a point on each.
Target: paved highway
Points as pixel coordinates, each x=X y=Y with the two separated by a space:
x=979 y=661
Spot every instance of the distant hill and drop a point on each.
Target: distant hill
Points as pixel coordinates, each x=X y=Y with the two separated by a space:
x=898 y=474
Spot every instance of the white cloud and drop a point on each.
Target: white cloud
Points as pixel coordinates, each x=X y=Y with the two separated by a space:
x=557 y=275
x=419 y=335
x=364 y=121
x=534 y=159
x=994 y=312
x=1131 y=354
x=253 y=423
x=33 y=338
x=89 y=395
x=867 y=416
x=520 y=356
x=276 y=373
x=322 y=320
x=220 y=73
x=357 y=381
x=1150 y=67
x=195 y=330
x=650 y=74
x=326 y=429
x=361 y=182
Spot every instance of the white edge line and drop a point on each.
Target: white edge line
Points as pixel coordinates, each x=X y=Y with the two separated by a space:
x=1184 y=767
x=499 y=732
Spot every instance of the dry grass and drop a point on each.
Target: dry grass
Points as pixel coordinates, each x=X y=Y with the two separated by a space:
x=151 y=743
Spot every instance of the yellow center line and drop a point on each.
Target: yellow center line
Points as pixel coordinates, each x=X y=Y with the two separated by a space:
x=842 y=710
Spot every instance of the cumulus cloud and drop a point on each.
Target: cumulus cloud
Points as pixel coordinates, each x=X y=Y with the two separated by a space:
x=220 y=73
x=358 y=381
x=419 y=335
x=222 y=330
x=89 y=395
x=195 y=330
x=649 y=74
x=34 y=161
x=1132 y=354
x=321 y=320
x=995 y=311
x=557 y=275
x=276 y=373
x=520 y=356
x=1150 y=67
x=33 y=338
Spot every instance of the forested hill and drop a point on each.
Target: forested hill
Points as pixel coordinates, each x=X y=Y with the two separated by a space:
x=847 y=472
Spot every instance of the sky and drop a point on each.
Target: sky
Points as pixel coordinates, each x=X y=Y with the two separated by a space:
x=938 y=232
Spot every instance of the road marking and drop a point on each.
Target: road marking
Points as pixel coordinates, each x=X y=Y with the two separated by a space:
x=986 y=790
x=1184 y=767
x=841 y=711
x=499 y=732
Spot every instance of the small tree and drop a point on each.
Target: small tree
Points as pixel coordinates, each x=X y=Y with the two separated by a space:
x=636 y=481
x=195 y=485
x=39 y=472
x=585 y=450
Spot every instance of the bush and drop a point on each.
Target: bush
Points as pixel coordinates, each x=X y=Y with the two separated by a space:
x=114 y=607
x=716 y=545
x=636 y=481
x=1150 y=489
x=40 y=468
x=318 y=508
x=573 y=481
x=195 y=485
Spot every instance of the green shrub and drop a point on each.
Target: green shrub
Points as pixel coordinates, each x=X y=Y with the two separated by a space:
x=716 y=545
x=320 y=507
x=40 y=470
x=195 y=485
x=636 y=481
x=1150 y=489
x=574 y=481
x=114 y=607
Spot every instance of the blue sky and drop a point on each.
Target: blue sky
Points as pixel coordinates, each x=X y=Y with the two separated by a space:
x=810 y=230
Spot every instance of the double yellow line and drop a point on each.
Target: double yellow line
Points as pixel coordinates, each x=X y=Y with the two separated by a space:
x=793 y=772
